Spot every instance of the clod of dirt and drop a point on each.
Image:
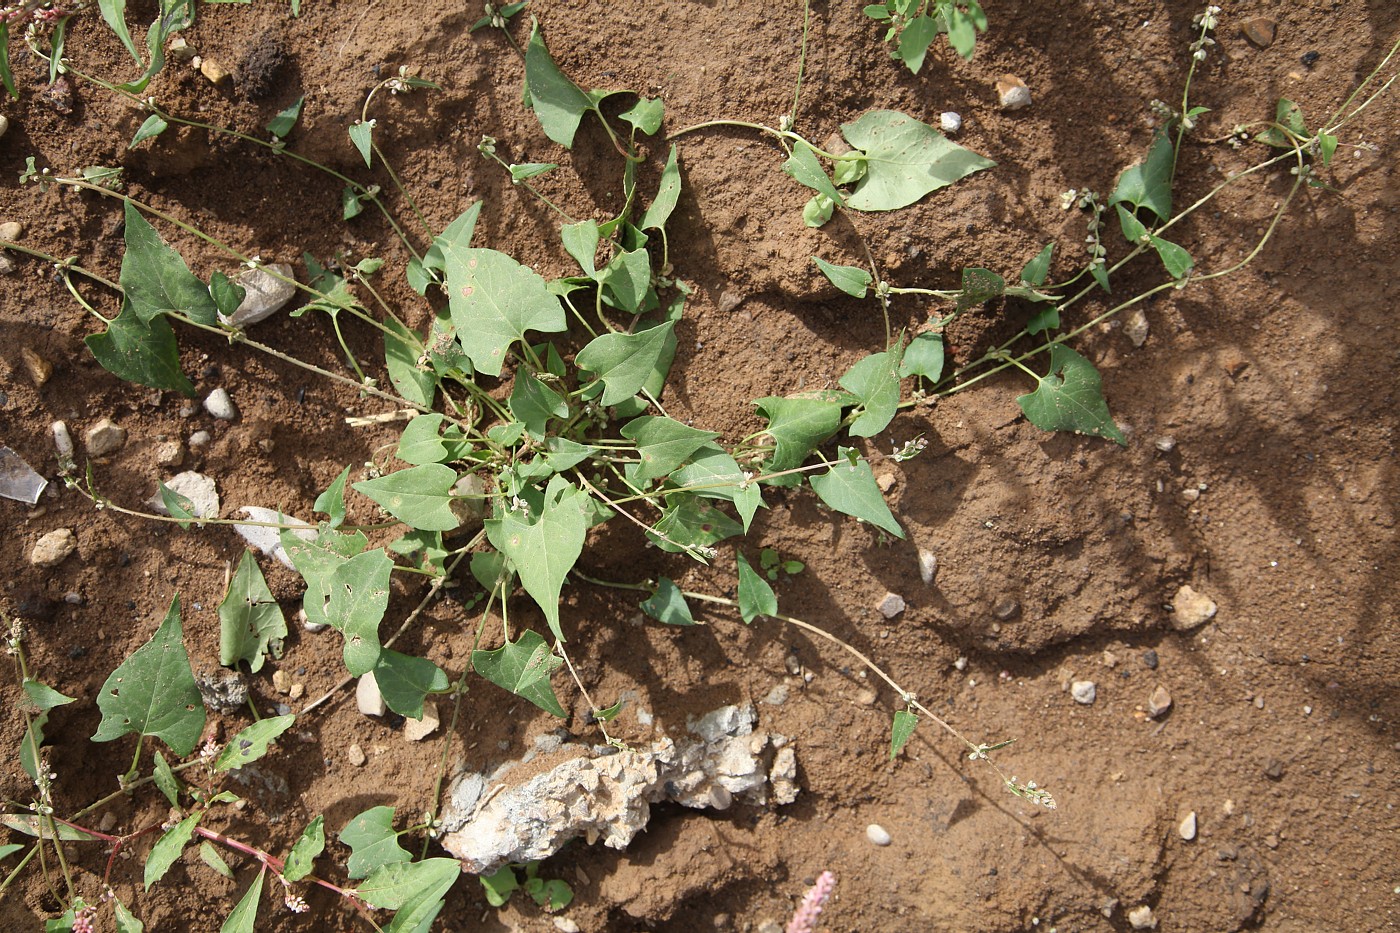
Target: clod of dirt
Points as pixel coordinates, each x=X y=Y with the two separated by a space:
x=264 y=293
x=606 y=794
x=59 y=97
x=53 y=548
x=1141 y=918
x=1191 y=609
x=105 y=437
x=170 y=454
x=220 y=405
x=257 y=72
x=222 y=692
x=1012 y=93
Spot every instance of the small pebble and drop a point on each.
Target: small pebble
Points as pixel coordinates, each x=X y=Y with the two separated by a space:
x=1260 y=31
x=105 y=437
x=297 y=692
x=867 y=697
x=73 y=598
x=281 y=681
x=1084 y=692
x=890 y=605
x=565 y=925
x=960 y=664
x=4 y=124
x=1159 y=702
x=886 y=481
x=1187 y=827
x=949 y=122
x=11 y=230
x=1006 y=608
x=283 y=709
x=1274 y=769
x=39 y=369
x=367 y=696
x=7 y=265
x=62 y=441
x=777 y=696
x=170 y=454
x=356 y=756
x=1165 y=444
x=1310 y=58
x=1149 y=659
x=1013 y=93
x=213 y=71
x=416 y=730
x=218 y=404
x=1141 y=918
x=1135 y=326
x=53 y=548
x=877 y=834
x=928 y=566
x=200 y=439
x=1191 y=609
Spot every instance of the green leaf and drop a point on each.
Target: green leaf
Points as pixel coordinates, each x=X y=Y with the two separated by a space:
x=401 y=353
x=252 y=743
x=6 y=76
x=350 y=204
x=803 y=166
x=420 y=496
x=227 y=294
x=623 y=361
x=906 y=160
x=311 y=843
x=1289 y=116
x=690 y=522
x=421 y=443
x=44 y=698
x=372 y=841
x=8 y=850
x=581 y=242
x=245 y=912
x=663 y=444
x=1133 y=230
x=852 y=280
x=915 y=40
x=1069 y=398
x=979 y=286
x=156 y=280
x=211 y=857
x=143 y=352
x=553 y=895
x=249 y=617
x=755 y=595
x=850 y=487
x=563 y=454
x=499 y=886
x=405 y=681
x=875 y=383
x=150 y=128
x=528 y=170
x=392 y=885
x=797 y=426
x=126 y=921
x=646 y=114
x=523 y=667
x=1177 y=260
x=1149 y=183
x=1326 y=147
x=818 y=210
x=153 y=692
x=668 y=605
x=332 y=501
x=545 y=551
x=557 y=101
x=1100 y=274
x=667 y=194
x=923 y=357
x=165 y=779
x=281 y=125
x=114 y=14
x=349 y=593
x=533 y=403
x=168 y=848
x=627 y=279
x=1036 y=271
x=904 y=724
x=180 y=507
x=1045 y=319
x=494 y=300
x=360 y=133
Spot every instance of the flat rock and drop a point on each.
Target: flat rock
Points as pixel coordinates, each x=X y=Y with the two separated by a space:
x=105 y=437
x=196 y=487
x=1085 y=692
x=1191 y=609
x=268 y=540
x=1012 y=93
x=220 y=405
x=367 y=696
x=267 y=289
x=1159 y=702
x=1260 y=31
x=416 y=730
x=53 y=548
x=890 y=605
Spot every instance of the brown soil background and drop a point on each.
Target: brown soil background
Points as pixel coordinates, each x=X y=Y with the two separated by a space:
x=1278 y=385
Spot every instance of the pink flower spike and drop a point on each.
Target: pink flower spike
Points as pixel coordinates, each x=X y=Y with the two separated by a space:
x=804 y=920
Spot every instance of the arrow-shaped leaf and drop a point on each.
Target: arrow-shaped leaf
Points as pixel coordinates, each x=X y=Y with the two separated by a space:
x=420 y=496
x=494 y=300
x=545 y=550
x=624 y=361
x=850 y=487
x=1070 y=398
x=523 y=667
x=248 y=617
x=153 y=692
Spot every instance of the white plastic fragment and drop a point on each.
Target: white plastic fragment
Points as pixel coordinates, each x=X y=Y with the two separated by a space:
x=265 y=293
x=18 y=480
x=268 y=540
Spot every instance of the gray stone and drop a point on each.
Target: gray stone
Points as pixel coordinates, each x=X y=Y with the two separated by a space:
x=356 y=756
x=1159 y=702
x=218 y=404
x=265 y=293
x=11 y=230
x=196 y=487
x=1084 y=692
x=1191 y=609
x=7 y=265
x=878 y=835
x=53 y=548
x=367 y=696
x=222 y=692
x=1006 y=608
x=200 y=439
x=170 y=454
x=1135 y=326
x=890 y=605
x=105 y=437
x=949 y=122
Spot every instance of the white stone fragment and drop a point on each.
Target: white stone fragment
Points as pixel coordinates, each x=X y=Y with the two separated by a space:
x=367 y=696
x=196 y=487
x=1084 y=692
x=62 y=442
x=1135 y=326
x=268 y=540
x=416 y=730
x=928 y=565
x=220 y=405
x=1187 y=827
x=1012 y=93
x=949 y=122
x=878 y=835
x=1141 y=918
x=105 y=437
x=265 y=293
x=1191 y=609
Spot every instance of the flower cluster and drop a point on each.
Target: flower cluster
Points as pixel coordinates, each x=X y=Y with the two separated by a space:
x=1088 y=200
x=33 y=13
x=804 y=920
x=1205 y=22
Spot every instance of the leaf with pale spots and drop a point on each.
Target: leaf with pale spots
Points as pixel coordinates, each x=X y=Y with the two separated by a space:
x=494 y=301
